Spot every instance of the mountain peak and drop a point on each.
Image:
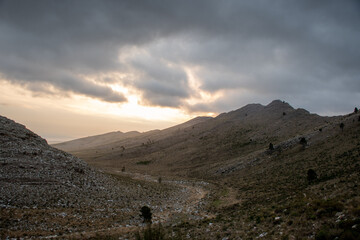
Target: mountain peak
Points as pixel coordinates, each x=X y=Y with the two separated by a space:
x=279 y=105
x=278 y=102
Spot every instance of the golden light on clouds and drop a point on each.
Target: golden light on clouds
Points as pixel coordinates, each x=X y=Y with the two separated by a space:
x=63 y=117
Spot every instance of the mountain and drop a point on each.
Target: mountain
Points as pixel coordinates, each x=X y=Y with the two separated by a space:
x=95 y=141
x=116 y=146
x=306 y=186
x=202 y=145
x=115 y=138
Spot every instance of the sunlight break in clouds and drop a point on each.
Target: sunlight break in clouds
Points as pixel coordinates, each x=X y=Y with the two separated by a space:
x=60 y=118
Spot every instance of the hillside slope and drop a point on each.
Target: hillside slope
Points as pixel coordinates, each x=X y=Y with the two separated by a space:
x=306 y=187
x=45 y=192
x=196 y=149
x=95 y=141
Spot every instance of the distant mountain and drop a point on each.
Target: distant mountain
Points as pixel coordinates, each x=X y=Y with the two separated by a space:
x=116 y=137
x=94 y=141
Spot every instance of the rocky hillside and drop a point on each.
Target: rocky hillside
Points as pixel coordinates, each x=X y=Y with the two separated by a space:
x=200 y=147
x=47 y=192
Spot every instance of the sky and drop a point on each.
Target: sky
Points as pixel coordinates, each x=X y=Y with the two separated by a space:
x=70 y=69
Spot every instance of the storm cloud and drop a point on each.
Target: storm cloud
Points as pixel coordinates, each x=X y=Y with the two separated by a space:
x=305 y=52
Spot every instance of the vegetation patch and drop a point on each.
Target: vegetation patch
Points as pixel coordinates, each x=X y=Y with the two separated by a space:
x=143 y=162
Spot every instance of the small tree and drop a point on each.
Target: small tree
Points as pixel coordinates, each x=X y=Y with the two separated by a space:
x=146 y=214
x=271 y=147
x=311 y=175
x=342 y=125
x=123 y=169
x=303 y=141
x=159 y=180
x=356 y=110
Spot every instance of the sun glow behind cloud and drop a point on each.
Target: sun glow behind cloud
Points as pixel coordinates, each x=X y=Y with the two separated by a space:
x=63 y=117
x=201 y=96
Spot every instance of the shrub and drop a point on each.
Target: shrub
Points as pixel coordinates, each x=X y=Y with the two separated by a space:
x=79 y=170
x=342 y=125
x=271 y=146
x=311 y=175
x=146 y=214
x=303 y=141
x=143 y=162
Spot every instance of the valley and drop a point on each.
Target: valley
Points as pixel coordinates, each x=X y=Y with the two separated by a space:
x=209 y=178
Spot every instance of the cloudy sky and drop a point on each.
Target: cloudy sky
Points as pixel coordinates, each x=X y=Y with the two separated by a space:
x=75 y=68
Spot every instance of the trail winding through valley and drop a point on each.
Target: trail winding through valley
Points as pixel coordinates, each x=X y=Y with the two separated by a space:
x=187 y=204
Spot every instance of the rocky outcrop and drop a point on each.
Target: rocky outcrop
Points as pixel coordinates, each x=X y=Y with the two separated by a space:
x=33 y=174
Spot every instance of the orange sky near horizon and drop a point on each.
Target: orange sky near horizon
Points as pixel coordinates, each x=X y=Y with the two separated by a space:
x=65 y=117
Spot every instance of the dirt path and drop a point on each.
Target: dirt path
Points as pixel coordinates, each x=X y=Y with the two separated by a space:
x=186 y=204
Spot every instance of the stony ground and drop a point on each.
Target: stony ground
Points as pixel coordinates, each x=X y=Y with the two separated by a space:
x=47 y=192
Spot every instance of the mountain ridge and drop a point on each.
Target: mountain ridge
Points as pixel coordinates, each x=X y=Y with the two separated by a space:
x=203 y=140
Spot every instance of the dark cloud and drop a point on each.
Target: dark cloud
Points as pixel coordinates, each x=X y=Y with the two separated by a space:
x=161 y=83
x=251 y=51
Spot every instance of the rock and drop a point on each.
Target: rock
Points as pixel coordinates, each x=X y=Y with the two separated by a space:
x=262 y=235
